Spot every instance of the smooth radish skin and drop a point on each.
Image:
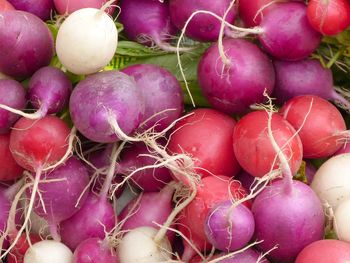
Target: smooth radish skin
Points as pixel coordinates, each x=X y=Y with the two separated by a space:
x=9 y=169
x=252 y=11
x=329 y=17
x=233 y=87
x=138 y=246
x=14 y=97
x=331 y=182
x=86 y=41
x=229 y=227
x=308 y=113
x=202 y=27
x=162 y=93
x=200 y=125
x=94 y=250
x=247 y=256
x=68 y=6
x=344 y=149
x=296 y=214
x=21 y=57
x=254 y=150
x=325 y=251
x=41 y=8
x=341 y=219
x=48 y=251
x=305 y=77
x=113 y=99
x=5 y=5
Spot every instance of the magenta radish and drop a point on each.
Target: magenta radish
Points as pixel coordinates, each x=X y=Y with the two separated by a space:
x=247 y=256
x=234 y=87
x=344 y=149
x=229 y=227
x=308 y=113
x=167 y=106
x=15 y=98
x=21 y=56
x=68 y=6
x=94 y=250
x=114 y=99
x=202 y=27
x=42 y=8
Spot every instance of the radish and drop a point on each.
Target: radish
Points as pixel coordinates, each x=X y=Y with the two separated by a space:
x=94 y=250
x=306 y=113
x=21 y=247
x=86 y=41
x=5 y=5
x=341 y=219
x=48 y=251
x=21 y=56
x=9 y=169
x=42 y=8
x=344 y=149
x=233 y=86
x=253 y=11
x=68 y=6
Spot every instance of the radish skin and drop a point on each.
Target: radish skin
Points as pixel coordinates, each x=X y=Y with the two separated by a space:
x=342 y=219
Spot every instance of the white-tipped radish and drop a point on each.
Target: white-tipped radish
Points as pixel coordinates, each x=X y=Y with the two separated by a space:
x=342 y=219
x=48 y=251
x=138 y=246
x=86 y=41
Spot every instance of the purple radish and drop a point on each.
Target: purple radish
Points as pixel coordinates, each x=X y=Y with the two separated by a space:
x=162 y=93
x=233 y=88
x=288 y=218
x=13 y=96
x=304 y=77
x=202 y=27
x=61 y=199
x=229 y=227
x=26 y=44
x=247 y=256
x=246 y=179
x=344 y=149
x=94 y=250
x=41 y=8
x=158 y=30
x=310 y=172
x=103 y=101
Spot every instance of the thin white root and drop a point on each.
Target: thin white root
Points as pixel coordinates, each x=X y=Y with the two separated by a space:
x=40 y=113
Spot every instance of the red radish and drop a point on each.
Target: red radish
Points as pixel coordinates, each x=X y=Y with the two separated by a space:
x=329 y=17
x=234 y=86
x=252 y=11
x=325 y=251
x=9 y=169
x=21 y=247
x=308 y=113
x=253 y=147
x=94 y=250
x=41 y=8
x=68 y=6
x=5 y=5
x=212 y=156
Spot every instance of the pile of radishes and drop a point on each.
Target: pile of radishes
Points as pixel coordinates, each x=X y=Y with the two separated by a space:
x=106 y=163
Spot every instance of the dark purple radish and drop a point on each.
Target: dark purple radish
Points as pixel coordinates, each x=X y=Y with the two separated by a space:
x=158 y=30
x=9 y=168
x=229 y=227
x=304 y=77
x=61 y=199
x=310 y=172
x=26 y=44
x=162 y=93
x=106 y=102
x=94 y=250
x=202 y=27
x=233 y=87
x=246 y=179
x=14 y=97
x=41 y=8
x=290 y=219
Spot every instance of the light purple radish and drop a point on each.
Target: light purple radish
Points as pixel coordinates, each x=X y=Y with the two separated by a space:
x=61 y=199
x=290 y=219
x=26 y=44
x=233 y=88
x=94 y=250
x=304 y=77
x=13 y=96
x=41 y=8
x=158 y=30
x=229 y=227
x=202 y=27
x=94 y=218
x=162 y=93
x=286 y=33
x=103 y=101
x=247 y=256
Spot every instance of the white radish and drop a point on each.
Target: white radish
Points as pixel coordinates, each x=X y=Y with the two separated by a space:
x=48 y=251
x=332 y=180
x=342 y=219
x=138 y=246
x=86 y=41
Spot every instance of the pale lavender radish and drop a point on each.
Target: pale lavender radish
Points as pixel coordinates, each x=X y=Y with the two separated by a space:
x=26 y=44
x=48 y=251
x=103 y=98
x=202 y=27
x=162 y=92
x=233 y=88
x=247 y=256
x=94 y=250
x=304 y=77
x=229 y=227
x=41 y=8
x=13 y=96
x=290 y=219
